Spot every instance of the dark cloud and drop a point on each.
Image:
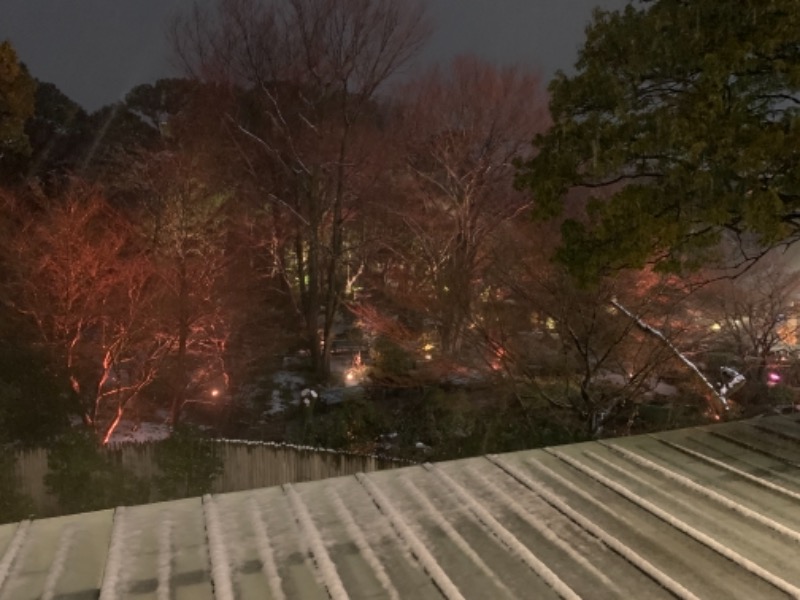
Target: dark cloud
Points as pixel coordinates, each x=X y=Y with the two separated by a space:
x=96 y=50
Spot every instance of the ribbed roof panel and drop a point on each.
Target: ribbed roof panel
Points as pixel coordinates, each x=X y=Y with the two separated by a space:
x=709 y=512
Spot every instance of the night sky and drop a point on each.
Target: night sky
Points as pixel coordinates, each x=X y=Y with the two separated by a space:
x=97 y=50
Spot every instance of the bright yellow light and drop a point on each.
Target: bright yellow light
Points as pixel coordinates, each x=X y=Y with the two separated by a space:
x=350 y=376
x=215 y=393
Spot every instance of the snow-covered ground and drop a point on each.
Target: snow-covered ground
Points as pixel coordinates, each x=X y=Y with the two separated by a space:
x=655 y=386
x=286 y=391
x=130 y=432
x=286 y=388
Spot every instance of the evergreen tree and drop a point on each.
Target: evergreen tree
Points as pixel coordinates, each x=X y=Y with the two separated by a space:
x=17 y=90
x=683 y=120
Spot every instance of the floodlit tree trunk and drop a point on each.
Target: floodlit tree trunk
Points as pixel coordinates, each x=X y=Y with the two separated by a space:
x=181 y=370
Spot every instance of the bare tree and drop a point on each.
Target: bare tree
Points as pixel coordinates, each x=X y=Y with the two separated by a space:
x=615 y=362
x=310 y=70
x=183 y=220
x=462 y=127
x=568 y=352
x=756 y=313
x=75 y=271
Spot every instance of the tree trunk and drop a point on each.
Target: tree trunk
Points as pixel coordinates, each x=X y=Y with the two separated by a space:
x=179 y=393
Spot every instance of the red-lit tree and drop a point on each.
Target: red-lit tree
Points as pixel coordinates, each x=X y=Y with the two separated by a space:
x=75 y=271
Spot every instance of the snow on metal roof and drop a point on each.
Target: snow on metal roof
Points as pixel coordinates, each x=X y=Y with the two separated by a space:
x=709 y=512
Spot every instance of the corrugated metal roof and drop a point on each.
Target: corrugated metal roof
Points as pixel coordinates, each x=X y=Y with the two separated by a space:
x=711 y=512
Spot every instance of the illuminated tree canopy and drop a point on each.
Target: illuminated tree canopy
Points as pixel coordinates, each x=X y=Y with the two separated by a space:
x=683 y=121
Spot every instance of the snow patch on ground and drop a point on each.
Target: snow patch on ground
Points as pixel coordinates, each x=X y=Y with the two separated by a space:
x=286 y=391
x=139 y=433
x=289 y=379
x=665 y=389
x=278 y=392
x=290 y=389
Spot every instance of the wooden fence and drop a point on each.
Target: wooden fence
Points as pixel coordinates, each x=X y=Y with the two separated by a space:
x=245 y=465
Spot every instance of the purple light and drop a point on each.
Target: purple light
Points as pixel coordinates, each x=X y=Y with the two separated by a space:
x=774 y=376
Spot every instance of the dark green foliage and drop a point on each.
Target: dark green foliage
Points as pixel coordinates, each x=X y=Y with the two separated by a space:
x=85 y=478
x=65 y=139
x=157 y=103
x=685 y=118
x=113 y=134
x=353 y=425
x=781 y=396
x=59 y=132
x=437 y=418
x=32 y=416
x=390 y=360
x=55 y=107
x=459 y=424
x=189 y=462
x=516 y=428
x=687 y=411
x=34 y=402
x=757 y=397
x=14 y=506
x=447 y=423
x=434 y=424
x=16 y=105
